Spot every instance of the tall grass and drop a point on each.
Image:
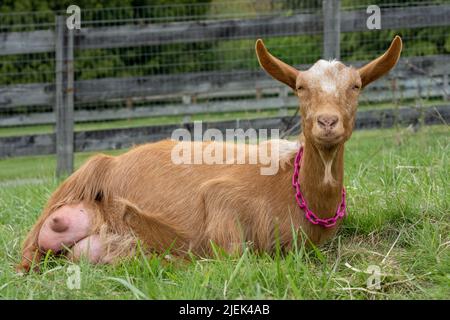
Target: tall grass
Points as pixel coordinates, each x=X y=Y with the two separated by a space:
x=399 y=218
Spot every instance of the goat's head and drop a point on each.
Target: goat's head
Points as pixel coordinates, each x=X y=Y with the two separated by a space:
x=328 y=92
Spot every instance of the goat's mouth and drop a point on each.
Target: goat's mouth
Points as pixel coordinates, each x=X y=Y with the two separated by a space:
x=329 y=140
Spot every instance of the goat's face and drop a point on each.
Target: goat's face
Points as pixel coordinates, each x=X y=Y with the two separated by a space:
x=328 y=92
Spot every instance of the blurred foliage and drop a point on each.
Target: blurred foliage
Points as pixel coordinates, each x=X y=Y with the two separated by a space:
x=193 y=57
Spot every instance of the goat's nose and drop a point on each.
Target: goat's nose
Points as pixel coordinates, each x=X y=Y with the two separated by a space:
x=327 y=121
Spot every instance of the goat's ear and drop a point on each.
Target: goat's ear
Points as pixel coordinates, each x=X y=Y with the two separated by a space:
x=381 y=65
x=275 y=67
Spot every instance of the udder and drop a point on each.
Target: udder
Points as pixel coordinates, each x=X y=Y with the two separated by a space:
x=89 y=248
x=68 y=226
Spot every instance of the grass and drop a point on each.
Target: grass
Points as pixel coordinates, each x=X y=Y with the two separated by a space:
x=399 y=218
x=149 y=121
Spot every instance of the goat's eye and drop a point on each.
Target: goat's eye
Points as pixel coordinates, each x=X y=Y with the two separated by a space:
x=356 y=87
x=300 y=88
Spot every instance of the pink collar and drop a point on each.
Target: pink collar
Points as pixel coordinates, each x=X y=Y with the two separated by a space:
x=327 y=223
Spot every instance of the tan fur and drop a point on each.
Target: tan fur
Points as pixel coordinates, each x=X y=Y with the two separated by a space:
x=186 y=207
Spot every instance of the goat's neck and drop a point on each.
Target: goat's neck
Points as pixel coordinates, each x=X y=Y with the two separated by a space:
x=322 y=192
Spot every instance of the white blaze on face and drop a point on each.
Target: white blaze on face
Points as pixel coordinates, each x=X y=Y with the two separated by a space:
x=326 y=75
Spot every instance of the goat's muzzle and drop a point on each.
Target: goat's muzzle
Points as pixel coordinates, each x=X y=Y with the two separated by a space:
x=328 y=129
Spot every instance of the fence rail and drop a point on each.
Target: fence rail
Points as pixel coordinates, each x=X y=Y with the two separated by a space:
x=95 y=140
x=197 y=31
x=412 y=76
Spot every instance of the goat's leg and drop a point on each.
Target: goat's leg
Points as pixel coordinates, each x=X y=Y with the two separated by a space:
x=222 y=226
x=224 y=231
x=156 y=231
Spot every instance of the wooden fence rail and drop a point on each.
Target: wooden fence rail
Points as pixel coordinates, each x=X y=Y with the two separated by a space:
x=41 y=144
x=104 y=89
x=407 y=89
x=197 y=31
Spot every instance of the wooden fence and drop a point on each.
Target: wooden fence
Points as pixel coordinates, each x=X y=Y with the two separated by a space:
x=94 y=140
x=198 y=31
x=201 y=92
x=404 y=82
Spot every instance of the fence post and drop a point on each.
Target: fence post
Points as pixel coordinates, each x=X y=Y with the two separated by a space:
x=331 y=29
x=446 y=88
x=64 y=92
x=186 y=100
x=283 y=95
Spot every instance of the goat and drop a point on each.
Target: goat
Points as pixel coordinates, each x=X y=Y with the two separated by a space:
x=101 y=210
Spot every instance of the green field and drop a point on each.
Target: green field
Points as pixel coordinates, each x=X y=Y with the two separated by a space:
x=399 y=220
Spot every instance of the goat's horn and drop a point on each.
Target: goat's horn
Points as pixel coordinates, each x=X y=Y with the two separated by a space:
x=275 y=67
x=383 y=64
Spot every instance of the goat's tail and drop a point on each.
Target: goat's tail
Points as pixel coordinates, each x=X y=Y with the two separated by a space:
x=89 y=183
